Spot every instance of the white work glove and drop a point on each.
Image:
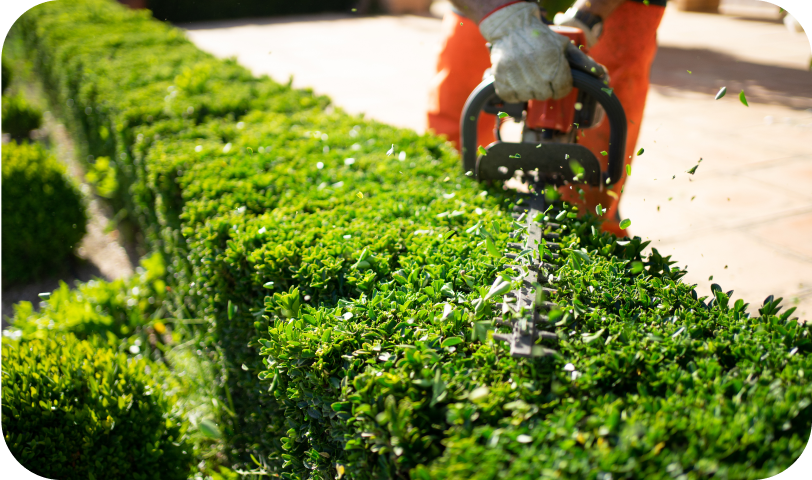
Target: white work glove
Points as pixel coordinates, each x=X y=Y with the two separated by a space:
x=567 y=19
x=530 y=61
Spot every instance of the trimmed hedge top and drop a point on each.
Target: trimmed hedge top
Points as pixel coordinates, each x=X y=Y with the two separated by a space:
x=338 y=261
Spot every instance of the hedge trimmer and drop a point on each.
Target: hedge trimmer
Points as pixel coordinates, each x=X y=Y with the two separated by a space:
x=547 y=155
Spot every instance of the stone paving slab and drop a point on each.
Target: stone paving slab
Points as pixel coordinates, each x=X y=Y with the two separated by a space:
x=379 y=66
x=752 y=194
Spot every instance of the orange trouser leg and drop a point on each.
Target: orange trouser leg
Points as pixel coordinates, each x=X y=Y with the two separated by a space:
x=462 y=62
x=626 y=48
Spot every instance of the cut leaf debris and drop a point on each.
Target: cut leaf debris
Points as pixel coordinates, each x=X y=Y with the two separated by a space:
x=743 y=99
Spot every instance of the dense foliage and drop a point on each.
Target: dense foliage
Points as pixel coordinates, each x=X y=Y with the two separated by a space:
x=43 y=212
x=130 y=316
x=5 y=75
x=74 y=409
x=131 y=308
x=339 y=264
x=19 y=116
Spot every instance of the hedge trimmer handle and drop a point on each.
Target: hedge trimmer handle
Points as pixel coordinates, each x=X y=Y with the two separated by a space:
x=484 y=97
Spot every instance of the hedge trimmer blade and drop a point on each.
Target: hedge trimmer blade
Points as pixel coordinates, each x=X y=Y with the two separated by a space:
x=524 y=308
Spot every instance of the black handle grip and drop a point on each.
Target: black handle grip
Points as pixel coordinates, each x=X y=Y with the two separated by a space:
x=485 y=93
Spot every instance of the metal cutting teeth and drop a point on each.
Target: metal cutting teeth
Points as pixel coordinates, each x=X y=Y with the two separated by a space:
x=523 y=301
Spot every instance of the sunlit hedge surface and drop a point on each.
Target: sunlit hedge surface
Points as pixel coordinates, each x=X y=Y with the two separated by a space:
x=338 y=262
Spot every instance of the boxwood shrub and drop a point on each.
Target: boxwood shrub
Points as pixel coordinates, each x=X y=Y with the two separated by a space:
x=75 y=409
x=338 y=262
x=19 y=116
x=43 y=212
x=6 y=75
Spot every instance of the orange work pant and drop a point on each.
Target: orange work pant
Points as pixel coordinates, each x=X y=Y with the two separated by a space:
x=626 y=48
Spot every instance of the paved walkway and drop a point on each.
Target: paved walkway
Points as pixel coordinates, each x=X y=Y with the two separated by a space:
x=745 y=217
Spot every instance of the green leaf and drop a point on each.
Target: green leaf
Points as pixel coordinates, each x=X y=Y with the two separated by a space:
x=481 y=150
x=577 y=168
x=628 y=170
x=743 y=99
x=625 y=224
x=721 y=93
x=608 y=91
x=693 y=169
x=438 y=391
x=480 y=331
x=640 y=152
x=451 y=341
x=479 y=394
x=209 y=428
x=502 y=114
x=604 y=153
x=589 y=338
x=492 y=248
x=500 y=287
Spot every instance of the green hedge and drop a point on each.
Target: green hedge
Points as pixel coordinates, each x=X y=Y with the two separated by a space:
x=131 y=316
x=74 y=409
x=6 y=75
x=121 y=309
x=327 y=283
x=43 y=213
x=19 y=116
x=196 y=10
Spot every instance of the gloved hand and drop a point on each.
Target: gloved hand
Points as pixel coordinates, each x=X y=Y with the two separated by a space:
x=569 y=19
x=530 y=61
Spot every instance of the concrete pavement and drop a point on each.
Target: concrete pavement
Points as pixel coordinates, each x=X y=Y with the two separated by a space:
x=745 y=217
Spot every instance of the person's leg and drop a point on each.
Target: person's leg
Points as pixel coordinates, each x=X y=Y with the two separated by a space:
x=627 y=49
x=462 y=61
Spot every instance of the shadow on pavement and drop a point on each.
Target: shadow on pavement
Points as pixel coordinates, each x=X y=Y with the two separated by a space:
x=712 y=70
x=244 y=22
